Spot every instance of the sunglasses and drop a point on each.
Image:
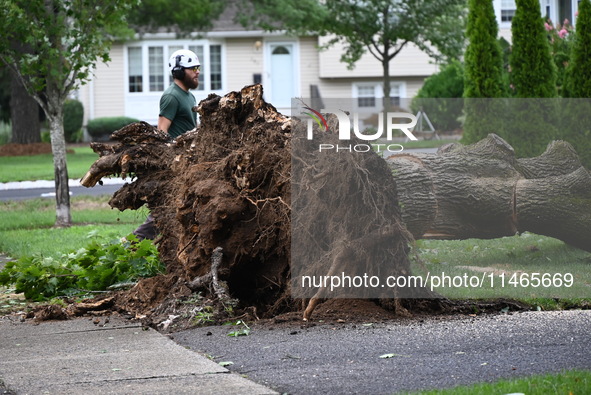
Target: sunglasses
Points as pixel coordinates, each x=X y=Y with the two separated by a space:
x=194 y=69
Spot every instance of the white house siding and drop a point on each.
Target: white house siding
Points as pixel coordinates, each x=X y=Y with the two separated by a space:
x=342 y=88
x=411 y=61
x=309 y=68
x=104 y=95
x=244 y=60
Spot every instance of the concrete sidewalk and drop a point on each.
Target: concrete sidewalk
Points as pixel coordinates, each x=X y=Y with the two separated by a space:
x=80 y=357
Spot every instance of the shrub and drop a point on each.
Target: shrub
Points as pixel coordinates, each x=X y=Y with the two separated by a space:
x=533 y=72
x=533 y=75
x=45 y=136
x=483 y=72
x=483 y=57
x=560 y=38
x=579 y=68
x=101 y=128
x=5 y=132
x=576 y=121
x=73 y=118
x=447 y=84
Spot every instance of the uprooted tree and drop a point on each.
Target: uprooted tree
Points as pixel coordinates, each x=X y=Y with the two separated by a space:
x=237 y=198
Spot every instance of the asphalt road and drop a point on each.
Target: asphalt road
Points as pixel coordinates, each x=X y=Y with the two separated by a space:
x=343 y=358
x=31 y=193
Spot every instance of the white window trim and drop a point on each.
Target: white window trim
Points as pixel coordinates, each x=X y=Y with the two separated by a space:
x=166 y=43
x=553 y=12
x=497 y=8
x=379 y=91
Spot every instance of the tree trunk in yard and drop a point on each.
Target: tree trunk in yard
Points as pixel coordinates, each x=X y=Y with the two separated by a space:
x=24 y=114
x=58 y=147
x=483 y=191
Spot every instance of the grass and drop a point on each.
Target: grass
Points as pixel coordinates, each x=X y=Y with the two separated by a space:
x=40 y=167
x=505 y=266
x=564 y=383
x=26 y=226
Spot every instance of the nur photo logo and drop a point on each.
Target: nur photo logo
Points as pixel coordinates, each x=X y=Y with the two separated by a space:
x=379 y=140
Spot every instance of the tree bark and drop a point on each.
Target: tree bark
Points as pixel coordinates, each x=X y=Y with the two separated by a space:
x=58 y=147
x=24 y=114
x=483 y=191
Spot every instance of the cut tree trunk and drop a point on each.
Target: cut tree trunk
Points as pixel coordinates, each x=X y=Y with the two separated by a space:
x=483 y=191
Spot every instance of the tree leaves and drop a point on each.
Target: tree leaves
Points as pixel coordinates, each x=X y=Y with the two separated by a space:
x=93 y=268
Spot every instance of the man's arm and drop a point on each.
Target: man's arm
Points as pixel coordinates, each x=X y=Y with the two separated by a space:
x=164 y=123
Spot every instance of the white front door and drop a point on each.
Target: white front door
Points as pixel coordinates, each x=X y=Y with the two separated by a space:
x=281 y=75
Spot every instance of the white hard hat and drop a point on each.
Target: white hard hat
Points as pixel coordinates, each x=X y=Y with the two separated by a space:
x=181 y=59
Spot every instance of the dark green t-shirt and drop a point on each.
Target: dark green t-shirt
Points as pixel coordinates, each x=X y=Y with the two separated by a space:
x=176 y=105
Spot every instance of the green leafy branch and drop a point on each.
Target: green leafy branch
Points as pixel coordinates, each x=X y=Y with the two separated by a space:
x=92 y=268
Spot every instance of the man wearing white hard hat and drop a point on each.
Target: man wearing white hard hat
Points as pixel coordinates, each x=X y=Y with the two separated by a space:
x=176 y=116
x=176 y=111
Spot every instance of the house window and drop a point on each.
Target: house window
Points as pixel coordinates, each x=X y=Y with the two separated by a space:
x=134 y=69
x=198 y=49
x=366 y=96
x=212 y=70
x=508 y=8
x=370 y=96
x=215 y=66
x=395 y=95
x=156 y=65
x=149 y=62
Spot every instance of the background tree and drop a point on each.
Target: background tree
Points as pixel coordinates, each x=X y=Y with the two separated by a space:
x=24 y=113
x=381 y=27
x=64 y=40
x=577 y=111
x=186 y=16
x=533 y=73
x=532 y=122
x=4 y=93
x=18 y=108
x=579 y=67
x=483 y=72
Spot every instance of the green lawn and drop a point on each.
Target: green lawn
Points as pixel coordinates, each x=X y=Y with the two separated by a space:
x=27 y=226
x=506 y=268
x=40 y=167
x=570 y=382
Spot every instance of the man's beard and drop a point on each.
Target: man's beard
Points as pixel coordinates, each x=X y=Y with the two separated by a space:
x=189 y=82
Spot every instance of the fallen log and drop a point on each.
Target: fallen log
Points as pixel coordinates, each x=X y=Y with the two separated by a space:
x=483 y=191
